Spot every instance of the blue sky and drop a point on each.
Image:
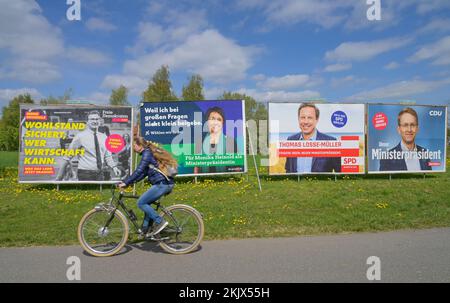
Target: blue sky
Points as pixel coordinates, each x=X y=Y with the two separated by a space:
x=273 y=50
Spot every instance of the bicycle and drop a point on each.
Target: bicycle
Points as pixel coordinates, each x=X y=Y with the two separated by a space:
x=104 y=230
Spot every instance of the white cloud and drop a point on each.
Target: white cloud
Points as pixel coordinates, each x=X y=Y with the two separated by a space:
x=97 y=24
x=32 y=70
x=280 y=95
x=288 y=82
x=7 y=95
x=339 y=82
x=150 y=35
x=87 y=56
x=264 y=96
x=436 y=26
x=318 y=12
x=338 y=67
x=209 y=54
x=96 y=98
x=329 y=13
x=31 y=45
x=213 y=92
x=439 y=52
x=363 y=51
x=181 y=25
x=424 y=7
x=183 y=41
x=25 y=33
x=135 y=84
x=259 y=77
x=392 y=65
x=400 y=89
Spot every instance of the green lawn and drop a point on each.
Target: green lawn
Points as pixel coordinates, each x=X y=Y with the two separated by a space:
x=8 y=159
x=234 y=207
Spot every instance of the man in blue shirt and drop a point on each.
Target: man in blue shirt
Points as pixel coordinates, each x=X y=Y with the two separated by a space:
x=308 y=117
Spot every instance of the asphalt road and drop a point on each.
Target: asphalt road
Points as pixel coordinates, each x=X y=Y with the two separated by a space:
x=404 y=256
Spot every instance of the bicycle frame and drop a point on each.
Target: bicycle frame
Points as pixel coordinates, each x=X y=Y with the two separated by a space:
x=117 y=202
x=104 y=230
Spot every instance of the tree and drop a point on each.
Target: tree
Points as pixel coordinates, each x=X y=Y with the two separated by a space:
x=9 y=123
x=253 y=110
x=194 y=89
x=119 y=96
x=160 y=87
x=58 y=100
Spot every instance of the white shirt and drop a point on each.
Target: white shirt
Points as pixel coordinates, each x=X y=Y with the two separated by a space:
x=86 y=140
x=412 y=162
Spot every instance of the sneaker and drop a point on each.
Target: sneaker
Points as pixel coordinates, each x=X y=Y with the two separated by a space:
x=142 y=232
x=159 y=227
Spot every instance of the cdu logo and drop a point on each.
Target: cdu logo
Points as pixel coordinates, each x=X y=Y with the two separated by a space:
x=435 y=113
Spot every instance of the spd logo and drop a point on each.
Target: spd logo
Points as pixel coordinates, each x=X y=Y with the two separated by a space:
x=350 y=161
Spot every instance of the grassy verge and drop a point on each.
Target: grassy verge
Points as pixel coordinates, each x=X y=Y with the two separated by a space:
x=8 y=159
x=234 y=207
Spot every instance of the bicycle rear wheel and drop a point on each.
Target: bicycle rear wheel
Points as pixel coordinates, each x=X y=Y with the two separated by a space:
x=101 y=241
x=185 y=229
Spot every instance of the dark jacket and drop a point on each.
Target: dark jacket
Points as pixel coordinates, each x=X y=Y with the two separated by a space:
x=319 y=165
x=400 y=164
x=143 y=170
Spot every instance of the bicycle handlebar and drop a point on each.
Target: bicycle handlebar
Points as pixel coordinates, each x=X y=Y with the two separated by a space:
x=122 y=193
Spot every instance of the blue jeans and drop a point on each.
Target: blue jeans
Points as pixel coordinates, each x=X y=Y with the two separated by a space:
x=150 y=196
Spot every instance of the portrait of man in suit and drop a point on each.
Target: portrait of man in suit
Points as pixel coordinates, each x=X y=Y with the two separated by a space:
x=308 y=117
x=408 y=127
x=92 y=165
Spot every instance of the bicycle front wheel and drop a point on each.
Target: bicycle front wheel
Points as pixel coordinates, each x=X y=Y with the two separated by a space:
x=102 y=235
x=185 y=230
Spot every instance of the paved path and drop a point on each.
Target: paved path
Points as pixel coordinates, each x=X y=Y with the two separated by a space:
x=405 y=256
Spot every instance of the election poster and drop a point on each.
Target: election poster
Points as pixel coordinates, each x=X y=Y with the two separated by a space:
x=74 y=144
x=309 y=138
x=406 y=138
x=206 y=137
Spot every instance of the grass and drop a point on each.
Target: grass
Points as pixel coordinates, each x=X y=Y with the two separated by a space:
x=8 y=159
x=233 y=207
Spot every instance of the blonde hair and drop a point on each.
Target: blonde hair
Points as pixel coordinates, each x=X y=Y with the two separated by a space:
x=163 y=157
x=407 y=110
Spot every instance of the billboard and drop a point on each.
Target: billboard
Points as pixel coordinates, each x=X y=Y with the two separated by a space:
x=307 y=138
x=206 y=137
x=74 y=144
x=403 y=138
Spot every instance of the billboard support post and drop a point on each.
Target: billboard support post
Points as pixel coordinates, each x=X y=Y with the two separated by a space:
x=135 y=164
x=254 y=158
x=57 y=187
x=390 y=177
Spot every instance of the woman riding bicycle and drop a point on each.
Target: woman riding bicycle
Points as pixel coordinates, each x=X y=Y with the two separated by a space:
x=154 y=163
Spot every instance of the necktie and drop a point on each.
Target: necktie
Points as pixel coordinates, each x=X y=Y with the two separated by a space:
x=97 y=151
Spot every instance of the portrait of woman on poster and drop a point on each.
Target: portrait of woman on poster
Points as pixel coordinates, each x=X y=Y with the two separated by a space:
x=216 y=142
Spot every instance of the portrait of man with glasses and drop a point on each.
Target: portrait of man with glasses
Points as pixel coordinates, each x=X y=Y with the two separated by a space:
x=409 y=151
